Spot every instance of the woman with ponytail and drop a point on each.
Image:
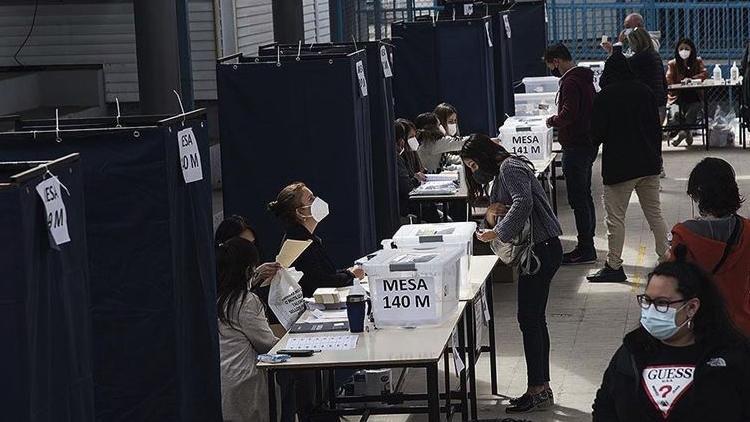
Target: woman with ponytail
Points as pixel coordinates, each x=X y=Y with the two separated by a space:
x=686 y=362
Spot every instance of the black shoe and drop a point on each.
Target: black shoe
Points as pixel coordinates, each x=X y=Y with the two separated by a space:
x=608 y=275
x=516 y=400
x=579 y=256
x=532 y=403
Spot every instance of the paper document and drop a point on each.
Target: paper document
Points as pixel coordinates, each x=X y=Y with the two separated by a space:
x=290 y=251
x=332 y=342
x=442 y=177
x=436 y=188
x=327 y=316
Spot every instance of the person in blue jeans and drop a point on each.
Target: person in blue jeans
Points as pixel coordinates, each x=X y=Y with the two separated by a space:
x=573 y=121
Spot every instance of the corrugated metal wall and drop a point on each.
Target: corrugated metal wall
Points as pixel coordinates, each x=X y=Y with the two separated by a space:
x=96 y=32
x=317 y=21
x=254 y=23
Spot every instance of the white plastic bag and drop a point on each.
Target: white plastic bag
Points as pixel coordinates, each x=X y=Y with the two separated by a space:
x=285 y=296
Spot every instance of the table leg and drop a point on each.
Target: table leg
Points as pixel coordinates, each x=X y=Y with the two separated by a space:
x=462 y=376
x=433 y=392
x=272 y=416
x=447 y=373
x=554 y=187
x=331 y=389
x=445 y=211
x=491 y=328
x=472 y=359
x=468 y=210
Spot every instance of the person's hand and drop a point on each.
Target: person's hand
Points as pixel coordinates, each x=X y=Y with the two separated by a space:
x=549 y=121
x=497 y=210
x=486 y=236
x=357 y=271
x=607 y=46
x=420 y=176
x=266 y=271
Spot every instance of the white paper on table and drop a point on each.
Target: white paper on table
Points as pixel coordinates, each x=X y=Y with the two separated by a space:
x=290 y=251
x=327 y=316
x=330 y=342
x=442 y=177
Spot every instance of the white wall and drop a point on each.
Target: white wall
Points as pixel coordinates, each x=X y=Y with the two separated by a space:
x=317 y=21
x=254 y=23
x=99 y=32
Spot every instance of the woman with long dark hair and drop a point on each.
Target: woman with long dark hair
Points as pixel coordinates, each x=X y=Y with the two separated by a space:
x=243 y=330
x=686 y=362
x=434 y=141
x=516 y=198
x=685 y=104
x=718 y=240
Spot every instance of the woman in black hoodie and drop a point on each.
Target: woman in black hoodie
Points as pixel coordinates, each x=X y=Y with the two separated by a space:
x=685 y=363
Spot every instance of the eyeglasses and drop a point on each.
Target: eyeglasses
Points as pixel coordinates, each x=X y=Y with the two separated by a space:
x=661 y=305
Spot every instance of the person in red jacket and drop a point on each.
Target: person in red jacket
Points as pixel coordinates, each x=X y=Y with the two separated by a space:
x=719 y=240
x=573 y=121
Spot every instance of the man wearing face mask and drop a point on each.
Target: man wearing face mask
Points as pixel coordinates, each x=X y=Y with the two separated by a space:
x=685 y=363
x=301 y=212
x=573 y=121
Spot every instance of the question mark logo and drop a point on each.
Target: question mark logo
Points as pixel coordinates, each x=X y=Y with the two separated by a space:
x=664 y=390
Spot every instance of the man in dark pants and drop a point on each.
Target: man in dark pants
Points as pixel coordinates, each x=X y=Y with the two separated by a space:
x=573 y=121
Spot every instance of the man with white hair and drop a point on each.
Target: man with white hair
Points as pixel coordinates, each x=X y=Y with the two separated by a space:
x=632 y=21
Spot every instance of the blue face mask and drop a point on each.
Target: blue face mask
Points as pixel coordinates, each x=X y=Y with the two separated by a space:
x=661 y=325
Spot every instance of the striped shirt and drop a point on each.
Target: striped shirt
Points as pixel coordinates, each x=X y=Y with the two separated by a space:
x=520 y=189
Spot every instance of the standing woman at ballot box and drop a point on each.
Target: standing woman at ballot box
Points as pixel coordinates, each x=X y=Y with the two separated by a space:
x=301 y=212
x=516 y=198
x=243 y=330
x=434 y=141
x=685 y=103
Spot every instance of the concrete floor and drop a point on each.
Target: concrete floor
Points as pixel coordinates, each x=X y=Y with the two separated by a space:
x=586 y=321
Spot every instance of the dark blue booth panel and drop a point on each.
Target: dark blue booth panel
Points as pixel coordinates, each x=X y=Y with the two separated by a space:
x=45 y=322
x=528 y=21
x=301 y=121
x=449 y=61
x=153 y=288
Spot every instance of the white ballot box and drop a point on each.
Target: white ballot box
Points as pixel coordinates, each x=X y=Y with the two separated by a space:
x=536 y=104
x=527 y=136
x=413 y=288
x=537 y=84
x=430 y=236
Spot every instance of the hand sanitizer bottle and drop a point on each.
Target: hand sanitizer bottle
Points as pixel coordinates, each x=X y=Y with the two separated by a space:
x=717 y=73
x=734 y=73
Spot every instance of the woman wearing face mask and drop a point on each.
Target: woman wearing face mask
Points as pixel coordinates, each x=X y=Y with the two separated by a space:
x=448 y=117
x=407 y=180
x=685 y=104
x=243 y=330
x=301 y=212
x=517 y=195
x=685 y=363
x=718 y=240
x=434 y=141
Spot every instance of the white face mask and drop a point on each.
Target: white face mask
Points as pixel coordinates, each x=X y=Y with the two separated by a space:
x=452 y=129
x=661 y=325
x=684 y=54
x=318 y=210
x=413 y=143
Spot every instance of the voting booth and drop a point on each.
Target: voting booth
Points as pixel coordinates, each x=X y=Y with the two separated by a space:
x=528 y=136
x=284 y=120
x=413 y=288
x=151 y=269
x=433 y=236
x=44 y=293
x=383 y=139
x=446 y=61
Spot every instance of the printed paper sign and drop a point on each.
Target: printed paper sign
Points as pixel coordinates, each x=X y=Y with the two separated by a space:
x=362 y=78
x=468 y=9
x=190 y=157
x=665 y=385
x=384 y=60
x=411 y=299
x=487 y=31
x=57 y=216
x=458 y=363
x=506 y=21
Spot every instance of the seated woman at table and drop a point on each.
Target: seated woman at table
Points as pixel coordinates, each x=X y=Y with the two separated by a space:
x=685 y=104
x=301 y=211
x=448 y=117
x=414 y=167
x=243 y=330
x=517 y=197
x=407 y=179
x=434 y=141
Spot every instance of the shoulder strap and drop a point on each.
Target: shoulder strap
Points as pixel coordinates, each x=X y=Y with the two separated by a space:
x=733 y=238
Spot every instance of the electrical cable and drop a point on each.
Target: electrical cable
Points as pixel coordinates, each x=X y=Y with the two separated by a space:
x=31 y=29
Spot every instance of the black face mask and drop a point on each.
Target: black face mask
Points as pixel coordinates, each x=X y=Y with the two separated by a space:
x=483 y=177
x=556 y=72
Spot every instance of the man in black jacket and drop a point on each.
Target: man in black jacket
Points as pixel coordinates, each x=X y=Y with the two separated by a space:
x=625 y=122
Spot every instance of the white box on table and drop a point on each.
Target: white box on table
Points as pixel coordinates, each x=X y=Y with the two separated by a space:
x=538 y=84
x=527 y=136
x=413 y=288
x=542 y=104
x=430 y=236
x=597 y=68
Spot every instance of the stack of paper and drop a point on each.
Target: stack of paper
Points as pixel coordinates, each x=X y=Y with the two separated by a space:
x=436 y=188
